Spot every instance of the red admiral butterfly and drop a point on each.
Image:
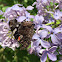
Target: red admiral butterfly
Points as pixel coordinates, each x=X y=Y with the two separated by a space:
x=23 y=32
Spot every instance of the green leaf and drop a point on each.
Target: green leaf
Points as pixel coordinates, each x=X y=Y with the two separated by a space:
x=29 y=46
x=52 y=15
x=51 y=3
x=4 y=8
x=56 y=4
x=58 y=22
x=25 y=1
x=49 y=23
x=31 y=19
x=47 y=7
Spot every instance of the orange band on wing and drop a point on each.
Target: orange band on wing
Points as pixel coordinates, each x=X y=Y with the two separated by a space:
x=19 y=38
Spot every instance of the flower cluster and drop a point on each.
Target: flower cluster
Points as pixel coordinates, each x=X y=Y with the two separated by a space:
x=6 y=37
x=47 y=38
x=17 y=12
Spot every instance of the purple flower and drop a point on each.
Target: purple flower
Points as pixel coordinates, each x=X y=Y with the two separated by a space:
x=57 y=15
x=37 y=41
x=50 y=53
x=14 y=12
x=55 y=34
x=36 y=47
x=54 y=38
x=21 y=18
x=49 y=28
x=6 y=37
x=52 y=34
x=1 y=13
x=27 y=17
x=38 y=20
x=19 y=13
x=59 y=38
x=29 y=8
x=37 y=44
x=43 y=33
x=43 y=5
x=60 y=5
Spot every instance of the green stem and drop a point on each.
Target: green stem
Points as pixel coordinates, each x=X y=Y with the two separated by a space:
x=49 y=23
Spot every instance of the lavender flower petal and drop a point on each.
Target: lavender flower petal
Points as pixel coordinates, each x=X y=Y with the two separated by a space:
x=43 y=33
x=53 y=49
x=47 y=27
x=59 y=35
x=21 y=18
x=57 y=30
x=54 y=39
x=58 y=14
x=1 y=12
x=35 y=36
x=29 y=8
x=45 y=44
x=44 y=56
x=16 y=7
x=52 y=56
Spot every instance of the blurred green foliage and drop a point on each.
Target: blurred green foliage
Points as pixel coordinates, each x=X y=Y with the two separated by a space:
x=8 y=55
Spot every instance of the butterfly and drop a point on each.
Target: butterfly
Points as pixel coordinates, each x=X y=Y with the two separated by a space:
x=23 y=32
